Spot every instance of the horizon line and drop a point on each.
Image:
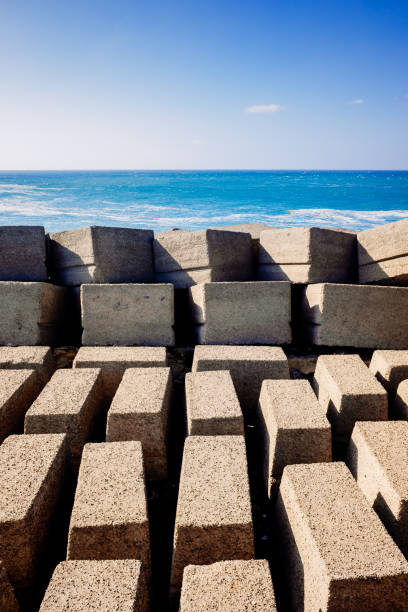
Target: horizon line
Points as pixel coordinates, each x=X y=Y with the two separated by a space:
x=204 y=170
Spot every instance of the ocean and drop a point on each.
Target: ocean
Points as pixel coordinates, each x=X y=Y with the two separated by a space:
x=161 y=200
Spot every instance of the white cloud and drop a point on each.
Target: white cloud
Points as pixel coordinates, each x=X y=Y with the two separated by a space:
x=357 y=101
x=264 y=108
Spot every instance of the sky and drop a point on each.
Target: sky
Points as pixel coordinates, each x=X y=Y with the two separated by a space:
x=203 y=84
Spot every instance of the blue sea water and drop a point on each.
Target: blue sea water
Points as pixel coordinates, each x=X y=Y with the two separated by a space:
x=161 y=200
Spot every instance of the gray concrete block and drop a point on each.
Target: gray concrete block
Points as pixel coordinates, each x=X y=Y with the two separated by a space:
x=132 y=314
x=390 y=368
x=241 y=313
x=22 y=253
x=383 y=254
x=8 y=601
x=18 y=389
x=254 y=229
x=38 y=358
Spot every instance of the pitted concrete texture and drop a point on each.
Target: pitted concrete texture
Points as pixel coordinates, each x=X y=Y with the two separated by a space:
x=349 y=392
x=390 y=368
x=307 y=255
x=248 y=366
x=383 y=254
x=356 y=315
x=31 y=477
x=31 y=313
x=187 y=258
x=69 y=404
x=22 y=253
x=114 y=360
x=101 y=255
x=214 y=517
x=18 y=389
x=38 y=358
x=140 y=411
x=378 y=460
x=114 y=586
x=109 y=519
x=241 y=313
x=338 y=554
x=400 y=404
x=212 y=405
x=8 y=602
x=126 y=315
x=230 y=586
x=292 y=427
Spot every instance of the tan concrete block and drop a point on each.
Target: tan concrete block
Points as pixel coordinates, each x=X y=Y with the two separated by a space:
x=292 y=427
x=69 y=404
x=8 y=602
x=248 y=366
x=212 y=405
x=140 y=411
x=31 y=477
x=390 y=368
x=356 y=315
x=213 y=518
x=94 y=586
x=22 y=253
x=126 y=315
x=338 y=555
x=383 y=254
x=109 y=519
x=400 y=404
x=233 y=586
x=38 y=358
x=241 y=313
x=18 y=389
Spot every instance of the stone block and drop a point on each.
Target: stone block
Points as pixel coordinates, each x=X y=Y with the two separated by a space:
x=383 y=254
x=241 y=313
x=18 y=389
x=307 y=255
x=337 y=553
x=97 y=585
x=31 y=478
x=248 y=366
x=390 y=368
x=214 y=517
x=70 y=403
x=126 y=315
x=101 y=255
x=356 y=315
x=233 y=586
x=38 y=358
x=186 y=258
x=212 y=405
x=292 y=428
x=140 y=411
x=22 y=253
x=8 y=602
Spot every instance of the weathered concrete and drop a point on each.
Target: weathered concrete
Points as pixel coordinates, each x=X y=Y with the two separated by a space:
x=241 y=313
x=356 y=315
x=133 y=314
x=254 y=229
x=69 y=404
x=338 y=554
x=31 y=313
x=212 y=405
x=186 y=258
x=31 y=477
x=18 y=389
x=307 y=255
x=390 y=368
x=22 y=253
x=140 y=411
x=292 y=428
x=248 y=366
x=8 y=602
x=400 y=404
x=109 y=519
x=214 y=518
x=230 y=586
x=378 y=460
x=101 y=255
x=38 y=358
x=383 y=254
x=93 y=586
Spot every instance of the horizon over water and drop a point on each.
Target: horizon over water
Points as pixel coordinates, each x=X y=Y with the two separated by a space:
x=196 y=199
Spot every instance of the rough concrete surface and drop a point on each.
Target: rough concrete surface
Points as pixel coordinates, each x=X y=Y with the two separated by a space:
x=383 y=254
x=22 y=253
x=18 y=389
x=39 y=358
x=400 y=404
x=390 y=368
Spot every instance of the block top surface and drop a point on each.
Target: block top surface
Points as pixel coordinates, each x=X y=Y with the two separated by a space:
x=383 y=361
x=11 y=381
x=383 y=242
x=141 y=390
x=349 y=374
x=237 y=353
x=92 y=356
x=369 y=294
x=292 y=404
x=211 y=395
x=337 y=520
x=30 y=356
x=254 y=229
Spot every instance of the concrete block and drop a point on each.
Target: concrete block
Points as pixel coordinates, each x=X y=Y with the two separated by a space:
x=378 y=460
x=338 y=555
x=109 y=519
x=31 y=477
x=383 y=254
x=400 y=404
x=187 y=258
x=214 y=517
x=248 y=366
x=390 y=368
x=292 y=428
x=356 y=315
x=254 y=230
x=95 y=586
x=133 y=314
x=18 y=389
x=69 y=404
x=8 y=602
x=101 y=255
x=22 y=253
x=212 y=405
x=140 y=411
x=38 y=358
x=307 y=255
x=233 y=586
x=241 y=313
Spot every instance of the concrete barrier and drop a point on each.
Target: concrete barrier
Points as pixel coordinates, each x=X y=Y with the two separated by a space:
x=383 y=254
x=18 y=389
x=22 y=254
x=254 y=230
x=38 y=358
x=390 y=368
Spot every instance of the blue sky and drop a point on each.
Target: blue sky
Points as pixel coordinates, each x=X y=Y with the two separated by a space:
x=87 y=84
